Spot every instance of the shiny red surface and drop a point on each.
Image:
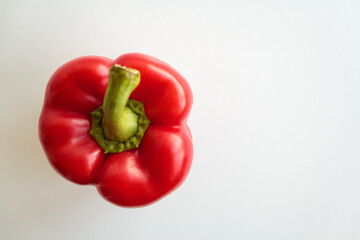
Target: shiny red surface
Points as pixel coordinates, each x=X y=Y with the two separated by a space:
x=132 y=178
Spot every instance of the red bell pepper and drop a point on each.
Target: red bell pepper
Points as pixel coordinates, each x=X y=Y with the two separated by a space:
x=119 y=125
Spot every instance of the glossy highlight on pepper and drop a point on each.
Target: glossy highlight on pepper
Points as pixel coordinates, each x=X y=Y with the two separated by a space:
x=132 y=177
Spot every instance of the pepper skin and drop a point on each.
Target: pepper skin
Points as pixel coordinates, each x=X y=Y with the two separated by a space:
x=131 y=178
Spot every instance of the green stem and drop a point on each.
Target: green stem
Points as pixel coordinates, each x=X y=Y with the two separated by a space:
x=119 y=122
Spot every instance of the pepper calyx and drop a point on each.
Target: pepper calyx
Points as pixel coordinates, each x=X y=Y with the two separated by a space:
x=111 y=146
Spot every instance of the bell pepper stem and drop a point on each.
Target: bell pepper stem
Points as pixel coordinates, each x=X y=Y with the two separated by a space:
x=119 y=122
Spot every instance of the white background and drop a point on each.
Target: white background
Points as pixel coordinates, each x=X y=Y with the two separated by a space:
x=275 y=118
